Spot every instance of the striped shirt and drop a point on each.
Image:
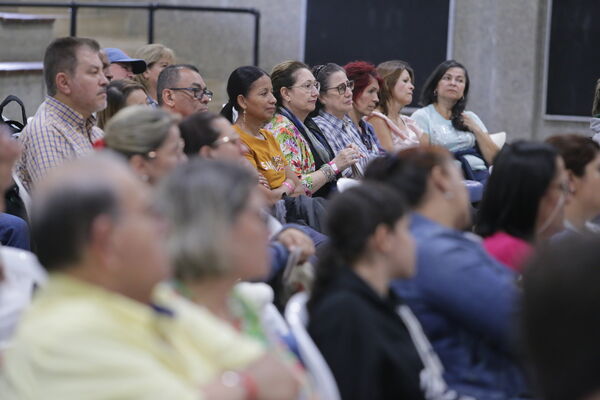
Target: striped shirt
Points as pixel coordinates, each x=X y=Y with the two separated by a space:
x=342 y=132
x=56 y=133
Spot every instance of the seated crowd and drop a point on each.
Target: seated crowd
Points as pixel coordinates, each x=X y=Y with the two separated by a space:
x=168 y=239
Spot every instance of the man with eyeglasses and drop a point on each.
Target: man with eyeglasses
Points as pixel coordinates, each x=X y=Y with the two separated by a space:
x=181 y=90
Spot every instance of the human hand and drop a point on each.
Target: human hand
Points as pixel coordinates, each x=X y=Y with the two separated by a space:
x=294 y=238
x=470 y=123
x=347 y=157
x=274 y=379
x=263 y=181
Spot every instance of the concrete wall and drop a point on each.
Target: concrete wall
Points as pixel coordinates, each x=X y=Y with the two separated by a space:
x=500 y=42
x=502 y=45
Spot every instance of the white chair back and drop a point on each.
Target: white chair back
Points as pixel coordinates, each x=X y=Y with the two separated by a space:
x=23 y=193
x=346 y=183
x=498 y=138
x=321 y=377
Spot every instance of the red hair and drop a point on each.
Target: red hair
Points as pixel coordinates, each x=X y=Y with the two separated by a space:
x=361 y=73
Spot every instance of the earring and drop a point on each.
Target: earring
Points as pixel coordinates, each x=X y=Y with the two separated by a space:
x=435 y=92
x=244 y=117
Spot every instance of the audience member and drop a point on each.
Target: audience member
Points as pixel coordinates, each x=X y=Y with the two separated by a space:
x=251 y=94
x=447 y=123
x=394 y=130
x=64 y=125
x=523 y=203
x=216 y=245
x=105 y=65
x=465 y=300
x=365 y=98
x=581 y=157
x=120 y=94
x=595 y=122
x=181 y=90
x=306 y=152
x=331 y=116
x=121 y=65
x=150 y=140
x=560 y=328
x=390 y=357
x=99 y=326
x=157 y=58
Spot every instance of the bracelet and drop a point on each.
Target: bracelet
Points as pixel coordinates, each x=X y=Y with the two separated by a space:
x=232 y=379
x=328 y=172
x=334 y=167
x=289 y=185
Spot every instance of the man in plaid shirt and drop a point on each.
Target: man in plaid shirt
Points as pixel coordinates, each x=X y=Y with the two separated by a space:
x=64 y=125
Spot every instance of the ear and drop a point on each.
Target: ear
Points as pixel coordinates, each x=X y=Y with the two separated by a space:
x=63 y=83
x=381 y=240
x=168 y=98
x=140 y=165
x=205 y=152
x=439 y=179
x=285 y=93
x=146 y=74
x=241 y=100
x=100 y=240
x=573 y=181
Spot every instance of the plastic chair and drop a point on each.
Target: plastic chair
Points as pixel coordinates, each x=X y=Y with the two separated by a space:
x=318 y=370
x=498 y=138
x=346 y=183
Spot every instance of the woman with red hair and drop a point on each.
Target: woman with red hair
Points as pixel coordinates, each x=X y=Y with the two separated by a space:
x=364 y=100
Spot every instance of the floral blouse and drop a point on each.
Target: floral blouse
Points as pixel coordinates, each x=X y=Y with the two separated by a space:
x=294 y=147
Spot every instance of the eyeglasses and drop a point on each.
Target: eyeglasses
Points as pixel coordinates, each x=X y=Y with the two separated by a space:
x=197 y=93
x=308 y=85
x=226 y=139
x=341 y=88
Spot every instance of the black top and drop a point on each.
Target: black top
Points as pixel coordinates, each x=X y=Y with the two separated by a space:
x=365 y=342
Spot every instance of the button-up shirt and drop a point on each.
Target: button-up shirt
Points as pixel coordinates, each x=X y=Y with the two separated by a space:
x=340 y=133
x=56 y=133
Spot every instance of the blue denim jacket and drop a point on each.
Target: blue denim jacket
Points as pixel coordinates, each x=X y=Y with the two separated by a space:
x=466 y=303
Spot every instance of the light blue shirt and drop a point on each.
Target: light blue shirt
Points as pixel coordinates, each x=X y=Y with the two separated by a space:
x=442 y=133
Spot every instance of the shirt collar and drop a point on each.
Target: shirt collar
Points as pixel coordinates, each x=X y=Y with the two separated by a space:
x=335 y=121
x=70 y=114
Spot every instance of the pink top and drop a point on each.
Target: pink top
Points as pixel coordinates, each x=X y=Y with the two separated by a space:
x=509 y=250
x=404 y=136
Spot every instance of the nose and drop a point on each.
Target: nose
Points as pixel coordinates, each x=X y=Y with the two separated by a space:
x=104 y=80
x=272 y=99
x=376 y=98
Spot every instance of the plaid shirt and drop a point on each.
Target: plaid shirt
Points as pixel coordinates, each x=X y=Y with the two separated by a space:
x=56 y=133
x=341 y=132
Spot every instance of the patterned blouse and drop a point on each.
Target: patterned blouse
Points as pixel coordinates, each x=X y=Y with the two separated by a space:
x=294 y=147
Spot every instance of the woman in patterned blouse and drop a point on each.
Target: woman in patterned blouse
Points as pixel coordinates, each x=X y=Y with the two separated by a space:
x=307 y=152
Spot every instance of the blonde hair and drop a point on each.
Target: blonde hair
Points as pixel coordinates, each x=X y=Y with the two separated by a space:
x=152 y=53
x=390 y=72
x=596 y=106
x=138 y=130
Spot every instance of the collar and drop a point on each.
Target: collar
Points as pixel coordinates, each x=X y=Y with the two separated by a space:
x=69 y=114
x=350 y=281
x=335 y=121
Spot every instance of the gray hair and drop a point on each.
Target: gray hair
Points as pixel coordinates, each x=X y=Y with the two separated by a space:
x=138 y=130
x=69 y=200
x=202 y=199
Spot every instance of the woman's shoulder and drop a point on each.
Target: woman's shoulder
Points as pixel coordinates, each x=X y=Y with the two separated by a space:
x=426 y=111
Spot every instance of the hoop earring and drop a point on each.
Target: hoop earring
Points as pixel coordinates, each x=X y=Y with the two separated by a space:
x=435 y=92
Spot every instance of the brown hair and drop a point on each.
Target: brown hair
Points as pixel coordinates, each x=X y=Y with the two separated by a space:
x=117 y=93
x=61 y=56
x=390 y=72
x=282 y=76
x=577 y=151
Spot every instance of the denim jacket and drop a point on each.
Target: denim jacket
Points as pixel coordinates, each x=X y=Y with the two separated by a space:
x=466 y=302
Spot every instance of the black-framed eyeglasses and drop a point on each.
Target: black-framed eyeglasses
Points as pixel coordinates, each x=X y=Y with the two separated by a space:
x=197 y=93
x=308 y=85
x=341 y=88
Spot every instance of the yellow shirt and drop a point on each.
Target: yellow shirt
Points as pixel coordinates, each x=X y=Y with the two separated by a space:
x=80 y=341
x=265 y=155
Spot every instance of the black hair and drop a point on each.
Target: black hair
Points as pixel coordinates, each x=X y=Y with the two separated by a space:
x=322 y=74
x=169 y=77
x=61 y=225
x=522 y=173
x=353 y=216
x=559 y=319
x=429 y=94
x=239 y=83
x=408 y=171
x=197 y=131
x=61 y=56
